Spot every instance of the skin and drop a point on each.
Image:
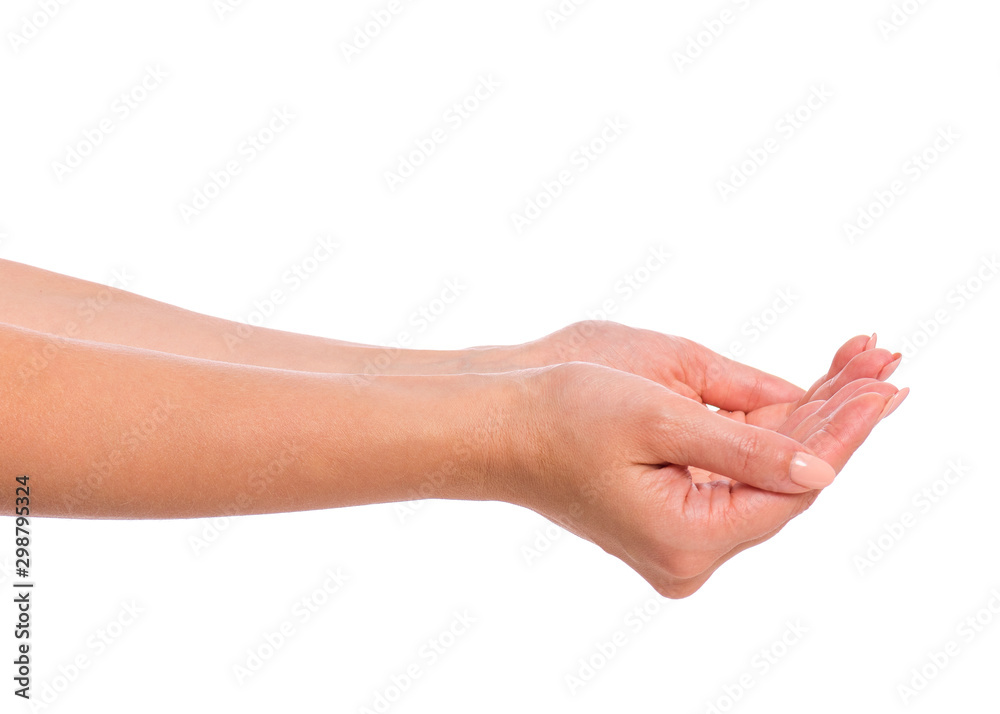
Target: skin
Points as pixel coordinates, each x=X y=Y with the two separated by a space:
x=601 y=428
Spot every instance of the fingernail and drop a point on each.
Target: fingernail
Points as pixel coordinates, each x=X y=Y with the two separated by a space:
x=871 y=342
x=888 y=407
x=893 y=402
x=811 y=471
x=890 y=368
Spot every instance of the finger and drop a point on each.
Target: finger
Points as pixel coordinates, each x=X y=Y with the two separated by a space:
x=867 y=365
x=807 y=425
x=798 y=416
x=755 y=516
x=694 y=436
x=840 y=435
x=894 y=402
x=772 y=416
x=703 y=476
x=775 y=415
x=732 y=385
x=850 y=349
x=737 y=416
x=752 y=516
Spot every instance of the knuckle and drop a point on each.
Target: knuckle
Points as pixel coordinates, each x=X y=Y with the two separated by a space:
x=832 y=436
x=675 y=420
x=584 y=330
x=747 y=444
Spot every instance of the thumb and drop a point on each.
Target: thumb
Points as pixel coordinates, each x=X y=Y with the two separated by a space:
x=696 y=436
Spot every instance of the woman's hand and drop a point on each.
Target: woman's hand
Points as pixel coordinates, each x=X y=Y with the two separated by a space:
x=686 y=367
x=675 y=489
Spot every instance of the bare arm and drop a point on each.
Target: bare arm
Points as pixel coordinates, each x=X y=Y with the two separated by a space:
x=61 y=305
x=649 y=475
x=115 y=432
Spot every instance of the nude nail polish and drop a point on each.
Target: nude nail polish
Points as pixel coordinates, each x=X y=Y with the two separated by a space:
x=887 y=408
x=810 y=471
x=870 y=345
x=890 y=368
x=893 y=402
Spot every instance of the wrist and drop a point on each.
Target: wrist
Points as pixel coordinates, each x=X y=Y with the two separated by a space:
x=468 y=434
x=371 y=361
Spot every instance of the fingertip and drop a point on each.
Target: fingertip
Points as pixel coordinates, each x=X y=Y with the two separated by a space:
x=741 y=452
x=894 y=401
x=810 y=472
x=889 y=368
x=848 y=351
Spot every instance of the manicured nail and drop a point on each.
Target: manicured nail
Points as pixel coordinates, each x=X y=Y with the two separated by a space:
x=890 y=368
x=871 y=342
x=811 y=471
x=893 y=402
x=887 y=408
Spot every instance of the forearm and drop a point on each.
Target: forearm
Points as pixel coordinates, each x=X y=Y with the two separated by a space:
x=60 y=305
x=114 y=432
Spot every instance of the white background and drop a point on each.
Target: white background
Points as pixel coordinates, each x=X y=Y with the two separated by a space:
x=655 y=186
